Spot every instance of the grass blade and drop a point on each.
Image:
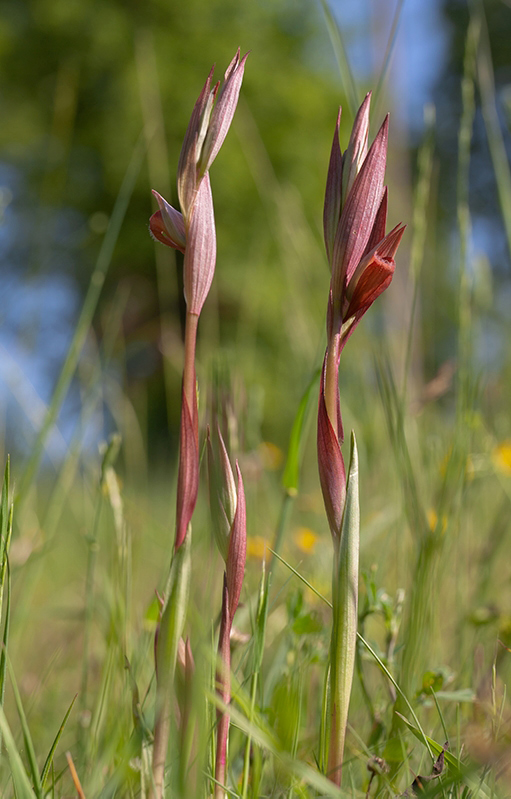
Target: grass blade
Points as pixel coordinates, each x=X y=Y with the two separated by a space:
x=51 y=753
x=342 y=58
x=19 y=776
x=27 y=738
x=259 y=637
x=290 y=478
x=491 y=120
x=4 y=515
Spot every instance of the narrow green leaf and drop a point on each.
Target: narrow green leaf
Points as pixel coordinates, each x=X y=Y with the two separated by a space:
x=19 y=776
x=398 y=688
x=300 y=577
x=260 y=624
x=5 y=573
x=459 y=771
x=291 y=476
x=27 y=738
x=345 y=613
x=258 y=651
x=171 y=629
x=389 y=50
x=4 y=513
x=51 y=753
x=342 y=57
x=176 y=604
x=496 y=141
x=5 y=641
x=266 y=738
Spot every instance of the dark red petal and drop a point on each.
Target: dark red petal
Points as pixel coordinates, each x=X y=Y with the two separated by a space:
x=378 y=231
x=387 y=248
x=159 y=232
x=173 y=222
x=375 y=278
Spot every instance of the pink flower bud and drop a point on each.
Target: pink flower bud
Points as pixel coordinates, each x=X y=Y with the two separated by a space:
x=207 y=130
x=222 y=492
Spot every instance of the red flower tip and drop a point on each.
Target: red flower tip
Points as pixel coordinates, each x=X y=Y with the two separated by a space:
x=167 y=225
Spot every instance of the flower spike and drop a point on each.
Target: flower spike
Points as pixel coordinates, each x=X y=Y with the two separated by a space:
x=361 y=259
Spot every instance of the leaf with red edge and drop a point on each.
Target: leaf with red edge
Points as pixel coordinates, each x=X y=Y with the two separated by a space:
x=332 y=473
x=237 y=548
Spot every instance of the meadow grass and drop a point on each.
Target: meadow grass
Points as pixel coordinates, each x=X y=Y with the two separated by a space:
x=83 y=551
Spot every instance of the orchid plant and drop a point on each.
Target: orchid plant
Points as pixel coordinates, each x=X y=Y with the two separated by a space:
x=361 y=259
x=192 y=232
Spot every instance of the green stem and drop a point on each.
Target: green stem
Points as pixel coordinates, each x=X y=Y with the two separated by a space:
x=248 y=746
x=92 y=551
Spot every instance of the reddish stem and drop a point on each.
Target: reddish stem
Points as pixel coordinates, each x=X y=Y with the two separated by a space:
x=189 y=386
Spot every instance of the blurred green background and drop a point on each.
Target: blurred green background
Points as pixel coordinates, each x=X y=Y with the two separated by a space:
x=82 y=82
x=88 y=88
